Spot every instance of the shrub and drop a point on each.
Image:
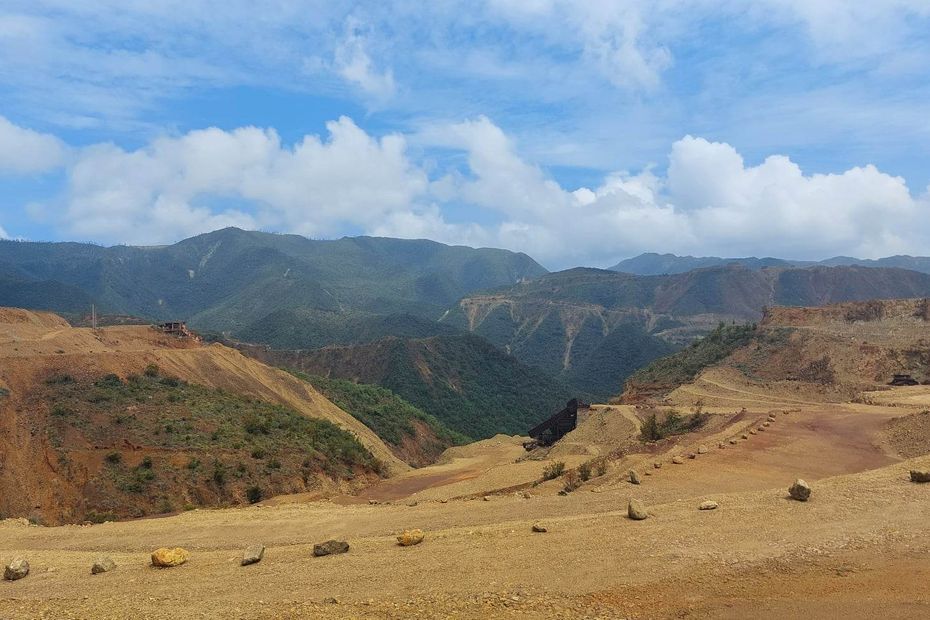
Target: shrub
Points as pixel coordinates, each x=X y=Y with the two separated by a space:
x=584 y=471
x=600 y=467
x=170 y=381
x=253 y=494
x=193 y=463
x=151 y=370
x=59 y=379
x=114 y=458
x=60 y=411
x=109 y=381
x=258 y=453
x=219 y=473
x=866 y=311
x=923 y=310
x=572 y=481
x=146 y=463
x=553 y=470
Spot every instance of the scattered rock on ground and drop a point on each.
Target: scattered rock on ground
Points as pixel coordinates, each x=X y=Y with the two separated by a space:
x=752 y=432
x=539 y=528
x=487 y=498
x=412 y=503
x=636 y=511
x=800 y=490
x=330 y=547
x=253 y=555
x=702 y=449
x=657 y=465
x=410 y=537
x=103 y=564
x=677 y=460
x=634 y=477
x=766 y=423
x=692 y=455
x=744 y=436
x=918 y=475
x=17 y=569
x=733 y=442
x=708 y=505
x=372 y=502
x=167 y=557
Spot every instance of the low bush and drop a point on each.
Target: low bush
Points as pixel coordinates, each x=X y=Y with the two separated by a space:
x=253 y=494
x=584 y=471
x=572 y=481
x=553 y=471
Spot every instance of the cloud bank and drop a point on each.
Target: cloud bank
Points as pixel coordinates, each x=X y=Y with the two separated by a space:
x=708 y=201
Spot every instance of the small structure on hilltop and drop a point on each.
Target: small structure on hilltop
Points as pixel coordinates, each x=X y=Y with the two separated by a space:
x=178 y=329
x=903 y=380
x=556 y=427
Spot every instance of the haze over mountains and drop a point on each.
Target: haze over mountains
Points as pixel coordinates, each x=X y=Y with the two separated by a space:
x=652 y=264
x=578 y=332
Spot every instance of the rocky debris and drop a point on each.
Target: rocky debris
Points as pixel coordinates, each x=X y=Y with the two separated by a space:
x=372 y=502
x=800 y=490
x=692 y=455
x=761 y=428
x=527 y=495
x=636 y=511
x=17 y=569
x=167 y=557
x=766 y=423
x=702 y=449
x=486 y=498
x=677 y=460
x=657 y=464
x=647 y=472
x=539 y=528
x=330 y=600
x=733 y=442
x=744 y=436
x=330 y=547
x=752 y=431
x=634 y=477
x=103 y=564
x=708 y=505
x=918 y=475
x=412 y=503
x=721 y=446
x=253 y=555
x=410 y=537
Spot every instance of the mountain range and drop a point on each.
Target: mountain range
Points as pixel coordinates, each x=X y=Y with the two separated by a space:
x=652 y=264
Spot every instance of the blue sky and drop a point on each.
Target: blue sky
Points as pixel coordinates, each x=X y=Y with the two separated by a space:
x=579 y=132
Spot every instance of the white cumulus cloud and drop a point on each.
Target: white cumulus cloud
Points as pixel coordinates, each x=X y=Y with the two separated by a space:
x=23 y=151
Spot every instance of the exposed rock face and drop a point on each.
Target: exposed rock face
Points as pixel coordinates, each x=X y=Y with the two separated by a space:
x=17 y=569
x=410 y=537
x=102 y=564
x=800 y=490
x=167 y=557
x=708 y=505
x=540 y=528
x=918 y=475
x=330 y=547
x=634 y=477
x=253 y=555
x=636 y=511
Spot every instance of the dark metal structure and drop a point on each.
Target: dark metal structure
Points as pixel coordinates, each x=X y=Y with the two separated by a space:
x=903 y=380
x=176 y=328
x=556 y=427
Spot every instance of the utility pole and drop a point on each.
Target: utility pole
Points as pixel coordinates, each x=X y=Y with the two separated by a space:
x=93 y=316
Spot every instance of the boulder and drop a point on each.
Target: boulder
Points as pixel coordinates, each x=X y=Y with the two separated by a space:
x=677 y=460
x=17 y=569
x=253 y=555
x=657 y=464
x=103 y=564
x=410 y=537
x=920 y=475
x=330 y=547
x=634 y=477
x=636 y=511
x=692 y=455
x=539 y=528
x=744 y=436
x=708 y=505
x=800 y=490
x=167 y=557
x=702 y=449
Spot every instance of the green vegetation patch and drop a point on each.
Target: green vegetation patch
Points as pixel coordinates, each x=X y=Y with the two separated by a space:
x=388 y=415
x=673 y=424
x=682 y=367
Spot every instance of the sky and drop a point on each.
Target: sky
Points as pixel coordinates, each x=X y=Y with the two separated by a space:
x=580 y=132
